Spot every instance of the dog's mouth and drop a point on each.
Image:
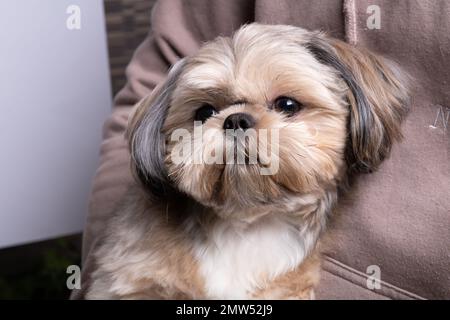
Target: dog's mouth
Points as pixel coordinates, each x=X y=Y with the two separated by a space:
x=219 y=169
x=242 y=157
x=241 y=185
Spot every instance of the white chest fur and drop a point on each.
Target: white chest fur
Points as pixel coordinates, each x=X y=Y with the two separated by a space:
x=235 y=260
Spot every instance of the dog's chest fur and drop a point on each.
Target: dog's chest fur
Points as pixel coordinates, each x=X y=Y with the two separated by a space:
x=147 y=258
x=237 y=262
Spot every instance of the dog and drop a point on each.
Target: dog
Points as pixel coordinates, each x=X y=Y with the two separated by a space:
x=225 y=230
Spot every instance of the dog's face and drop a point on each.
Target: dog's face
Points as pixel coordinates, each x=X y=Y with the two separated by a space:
x=310 y=108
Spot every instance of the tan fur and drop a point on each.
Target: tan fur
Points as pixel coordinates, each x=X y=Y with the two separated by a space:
x=172 y=245
x=144 y=255
x=297 y=284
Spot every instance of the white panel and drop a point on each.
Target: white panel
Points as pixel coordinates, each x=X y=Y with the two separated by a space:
x=54 y=96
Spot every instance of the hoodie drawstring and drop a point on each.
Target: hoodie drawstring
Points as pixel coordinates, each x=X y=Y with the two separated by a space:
x=350 y=22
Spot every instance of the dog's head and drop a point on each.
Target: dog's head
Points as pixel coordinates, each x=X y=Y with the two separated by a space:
x=271 y=114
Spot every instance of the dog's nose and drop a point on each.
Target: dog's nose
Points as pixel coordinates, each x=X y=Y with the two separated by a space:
x=240 y=120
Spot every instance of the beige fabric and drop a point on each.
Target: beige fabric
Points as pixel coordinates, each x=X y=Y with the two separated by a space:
x=398 y=218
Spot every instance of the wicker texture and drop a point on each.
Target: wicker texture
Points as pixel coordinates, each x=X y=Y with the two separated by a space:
x=127 y=24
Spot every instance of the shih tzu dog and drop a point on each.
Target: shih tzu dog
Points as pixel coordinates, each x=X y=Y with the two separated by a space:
x=319 y=111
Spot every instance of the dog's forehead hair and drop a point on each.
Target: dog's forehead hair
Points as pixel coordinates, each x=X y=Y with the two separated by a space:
x=255 y=67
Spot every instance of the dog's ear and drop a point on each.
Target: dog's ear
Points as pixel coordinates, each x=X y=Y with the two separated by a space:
x=145 y=138
x=377 y=97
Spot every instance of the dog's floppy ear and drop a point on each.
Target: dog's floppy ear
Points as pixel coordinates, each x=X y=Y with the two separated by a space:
x=145 y=138
x=377 y=97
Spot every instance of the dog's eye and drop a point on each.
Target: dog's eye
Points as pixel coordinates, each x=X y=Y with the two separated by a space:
x=204 y=112
x=287 y=105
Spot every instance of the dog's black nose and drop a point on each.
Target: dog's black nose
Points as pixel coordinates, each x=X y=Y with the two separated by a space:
x=240 y=120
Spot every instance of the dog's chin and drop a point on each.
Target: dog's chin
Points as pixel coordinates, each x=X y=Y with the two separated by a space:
x=233 y=188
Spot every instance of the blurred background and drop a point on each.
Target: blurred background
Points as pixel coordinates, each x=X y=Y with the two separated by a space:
x=67 y=78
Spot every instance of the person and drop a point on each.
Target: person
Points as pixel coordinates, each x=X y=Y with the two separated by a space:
x=390 y=234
